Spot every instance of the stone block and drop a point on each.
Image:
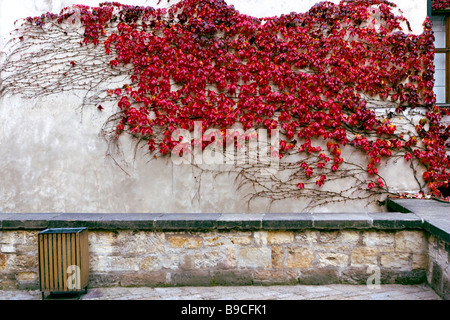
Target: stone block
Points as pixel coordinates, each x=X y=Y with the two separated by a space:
x=271 y=277
x=137 y=243
x=232 y=278
x=28 y=285
x=241 y=238
x=19 y=237
x=319 y=276
x=442 y=254
x=345 y=237
x=287 y=221
x=399 y=261
x=230 y=258
x=184 y=241
x=101 y=279
x=149 y=263
x=306 y=238
x=19 y=263
x=363 y=256
x=103 y=237
x=143 y=279
x=214 y=239
x=266 y=275
x=298 y=257
x=254 y=257
x=203 y=260
x=341 y=220
x=97 y=263
x=328 y=236
x=410 y=241
x=240 y=221
x=410 y=277
x=8 y=281
x=103 y=250
x=2 y=261
x=117 y=263
x=27 y=276
x=436 y=278
x=292 y=275
x=277 y=257
x=334 y=259
x=279 y=237
x=395 y=220
x=8 y=248
x=191 y=278
x=169 y=261
x=28 y=281
x=446 y=289
x=187 y=221
x=355 y=275
x=103 y=242
x=420 y=261
x=260 y=238
x=128 y=221
x=186 y=262
x=378 y=239
x=27 y=249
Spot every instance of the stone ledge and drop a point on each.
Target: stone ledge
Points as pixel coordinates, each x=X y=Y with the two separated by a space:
x=226 y=221
x=434 y=214
x=430 y=215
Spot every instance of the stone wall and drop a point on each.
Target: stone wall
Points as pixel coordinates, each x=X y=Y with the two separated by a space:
x=408 y=246
x=147 y=258
x=439 y=266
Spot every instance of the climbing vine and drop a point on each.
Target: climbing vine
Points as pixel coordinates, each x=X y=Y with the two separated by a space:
x=440 y=4
x=317 y=76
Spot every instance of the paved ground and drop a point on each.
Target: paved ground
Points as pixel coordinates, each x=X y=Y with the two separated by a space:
x=299 y=292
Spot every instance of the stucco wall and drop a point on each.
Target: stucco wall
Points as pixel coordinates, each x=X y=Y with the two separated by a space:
x=52 y=158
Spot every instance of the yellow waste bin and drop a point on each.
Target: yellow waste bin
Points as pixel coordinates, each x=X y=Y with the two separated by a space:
x=63 y=260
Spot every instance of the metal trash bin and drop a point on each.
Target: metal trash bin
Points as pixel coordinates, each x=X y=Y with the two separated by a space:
x=63 y=260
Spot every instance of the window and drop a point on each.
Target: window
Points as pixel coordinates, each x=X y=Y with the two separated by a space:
x=441 y=25
x=439 y=13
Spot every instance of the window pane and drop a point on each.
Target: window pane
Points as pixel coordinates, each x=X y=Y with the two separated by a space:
x=439 y=28
x=439 y=31
x=439 y=39
x=439 y=78
x=440 y=94
x=439 y=61
x=438 y=23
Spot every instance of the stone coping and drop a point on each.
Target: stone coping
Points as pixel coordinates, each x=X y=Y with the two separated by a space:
x=433 y=216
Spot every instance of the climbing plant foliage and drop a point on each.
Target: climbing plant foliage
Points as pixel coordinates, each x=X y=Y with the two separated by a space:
x=440 y=4
x=315 y=76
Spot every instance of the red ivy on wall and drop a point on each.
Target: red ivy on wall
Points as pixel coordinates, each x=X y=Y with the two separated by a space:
x=309 y=74
x=440 y=4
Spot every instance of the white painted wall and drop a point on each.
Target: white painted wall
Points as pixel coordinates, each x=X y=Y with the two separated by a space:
x=53 y=160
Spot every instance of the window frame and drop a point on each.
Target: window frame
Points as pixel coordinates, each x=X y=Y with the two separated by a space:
x=446 y=51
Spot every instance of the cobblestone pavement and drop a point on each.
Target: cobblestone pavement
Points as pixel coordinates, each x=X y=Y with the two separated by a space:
x=298 y=292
